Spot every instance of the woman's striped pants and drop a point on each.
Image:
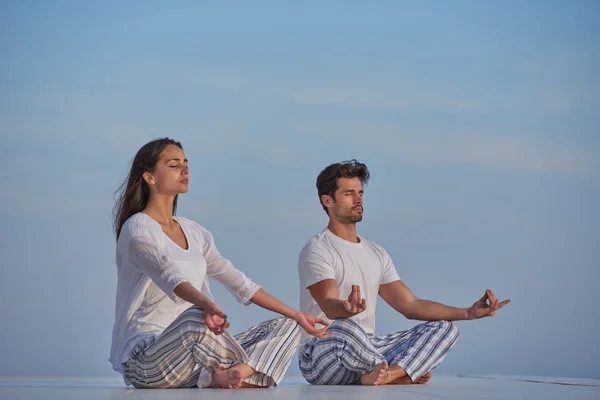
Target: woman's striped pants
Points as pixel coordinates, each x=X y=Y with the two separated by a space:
x=187 y=352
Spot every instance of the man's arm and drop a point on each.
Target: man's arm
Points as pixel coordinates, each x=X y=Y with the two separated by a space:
x=327 y=296
x=401 y=299
x=399 y=296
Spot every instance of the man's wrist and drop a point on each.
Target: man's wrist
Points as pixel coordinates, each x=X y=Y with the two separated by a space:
x=341 y=308
x=468 y=313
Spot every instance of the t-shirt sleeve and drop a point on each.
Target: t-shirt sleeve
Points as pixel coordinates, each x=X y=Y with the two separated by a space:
x=314 y=265
x=150 y=258
x=389 y=273
x=221 y=269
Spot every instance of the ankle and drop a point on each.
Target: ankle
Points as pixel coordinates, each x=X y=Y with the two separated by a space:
x=396 y=372
x=245 y=370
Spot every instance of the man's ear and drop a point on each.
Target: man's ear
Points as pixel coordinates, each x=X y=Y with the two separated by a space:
x=327 y=200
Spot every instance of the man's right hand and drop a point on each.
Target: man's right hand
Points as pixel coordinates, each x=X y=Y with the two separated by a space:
x=355 y=304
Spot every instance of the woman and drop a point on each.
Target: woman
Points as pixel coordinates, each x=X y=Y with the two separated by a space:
x=163 y=265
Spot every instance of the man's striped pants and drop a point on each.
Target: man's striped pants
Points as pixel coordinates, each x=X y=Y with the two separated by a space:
x=350 y=352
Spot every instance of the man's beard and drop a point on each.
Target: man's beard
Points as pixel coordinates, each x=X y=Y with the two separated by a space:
x=354 y=218
x=350 y=216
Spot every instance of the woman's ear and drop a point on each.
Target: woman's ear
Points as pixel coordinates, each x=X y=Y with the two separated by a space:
x=147 y=176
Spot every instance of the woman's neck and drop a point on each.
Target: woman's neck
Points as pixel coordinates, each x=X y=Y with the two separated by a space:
x=160 y=208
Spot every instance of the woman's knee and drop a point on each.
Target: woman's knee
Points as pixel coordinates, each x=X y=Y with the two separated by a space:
x=191 y=322
x=288 y=324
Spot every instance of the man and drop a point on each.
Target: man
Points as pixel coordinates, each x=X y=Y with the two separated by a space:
x=337 y=268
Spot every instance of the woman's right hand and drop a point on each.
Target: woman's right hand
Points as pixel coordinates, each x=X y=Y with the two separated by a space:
x=216 y=320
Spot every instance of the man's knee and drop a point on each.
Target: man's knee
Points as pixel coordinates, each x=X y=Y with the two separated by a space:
x=446 y=326
x=346 y=326
x=451 y=327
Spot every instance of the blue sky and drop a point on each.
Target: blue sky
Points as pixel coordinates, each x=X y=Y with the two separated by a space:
x=478 y=121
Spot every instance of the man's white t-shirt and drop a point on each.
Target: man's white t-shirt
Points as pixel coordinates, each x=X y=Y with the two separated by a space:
x=327 y=256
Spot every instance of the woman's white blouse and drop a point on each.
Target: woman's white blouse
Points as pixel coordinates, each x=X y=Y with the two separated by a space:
x=149 y=267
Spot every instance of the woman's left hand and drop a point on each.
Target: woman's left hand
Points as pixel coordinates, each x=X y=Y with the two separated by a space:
x=308 y=323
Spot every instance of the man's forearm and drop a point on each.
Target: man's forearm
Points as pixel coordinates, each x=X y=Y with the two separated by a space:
x=334 y=309
x=425 y=310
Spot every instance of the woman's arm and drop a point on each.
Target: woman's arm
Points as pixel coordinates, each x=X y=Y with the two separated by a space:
x=246 y=291
x=216 y=320
x=265 y=300
x=306 y=321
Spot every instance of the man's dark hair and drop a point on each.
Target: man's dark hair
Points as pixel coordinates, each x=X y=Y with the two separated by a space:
x=328 y=178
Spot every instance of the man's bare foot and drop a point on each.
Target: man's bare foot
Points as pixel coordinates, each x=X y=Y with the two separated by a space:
x=377 y=376
x=405 y=380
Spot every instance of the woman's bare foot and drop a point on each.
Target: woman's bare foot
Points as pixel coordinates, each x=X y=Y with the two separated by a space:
x=405 y=380
x=251 y=386
x=233 y=377
x=227 y=378
x=377 y=376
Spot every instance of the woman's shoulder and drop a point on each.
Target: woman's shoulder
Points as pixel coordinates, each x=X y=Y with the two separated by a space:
x=196 y=228
x=139 y=224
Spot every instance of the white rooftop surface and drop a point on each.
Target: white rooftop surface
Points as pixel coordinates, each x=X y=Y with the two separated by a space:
x=493 y=387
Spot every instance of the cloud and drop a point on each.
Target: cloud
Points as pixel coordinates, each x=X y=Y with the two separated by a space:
x=225 y=110
x=562 y=82
x=373 y=98
x=511 y=153
x=518 y=153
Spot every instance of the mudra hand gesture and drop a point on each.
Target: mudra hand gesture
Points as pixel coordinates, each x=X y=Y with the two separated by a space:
x=355 y=304
x=482 y=308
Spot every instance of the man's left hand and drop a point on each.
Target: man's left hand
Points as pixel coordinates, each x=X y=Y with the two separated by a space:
x=486 y=306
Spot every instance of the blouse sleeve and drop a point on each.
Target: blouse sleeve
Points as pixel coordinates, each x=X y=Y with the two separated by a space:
x=221 y=269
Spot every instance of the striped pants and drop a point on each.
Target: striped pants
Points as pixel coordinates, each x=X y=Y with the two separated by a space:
x=350 y=352
x=187 y=352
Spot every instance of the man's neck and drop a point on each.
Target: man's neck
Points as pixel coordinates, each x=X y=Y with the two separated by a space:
x=344 y=231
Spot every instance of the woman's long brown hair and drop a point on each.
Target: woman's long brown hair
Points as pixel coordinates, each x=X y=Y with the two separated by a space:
x=133 y=194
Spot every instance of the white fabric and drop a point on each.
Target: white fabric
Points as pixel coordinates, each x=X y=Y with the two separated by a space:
x=327 y=256
x=149 y=267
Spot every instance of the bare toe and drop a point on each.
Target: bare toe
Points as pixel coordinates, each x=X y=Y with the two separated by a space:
x=377 y=376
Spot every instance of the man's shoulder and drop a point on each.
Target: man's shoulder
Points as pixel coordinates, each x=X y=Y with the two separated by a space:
x=317 y=243
x=373 y=245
